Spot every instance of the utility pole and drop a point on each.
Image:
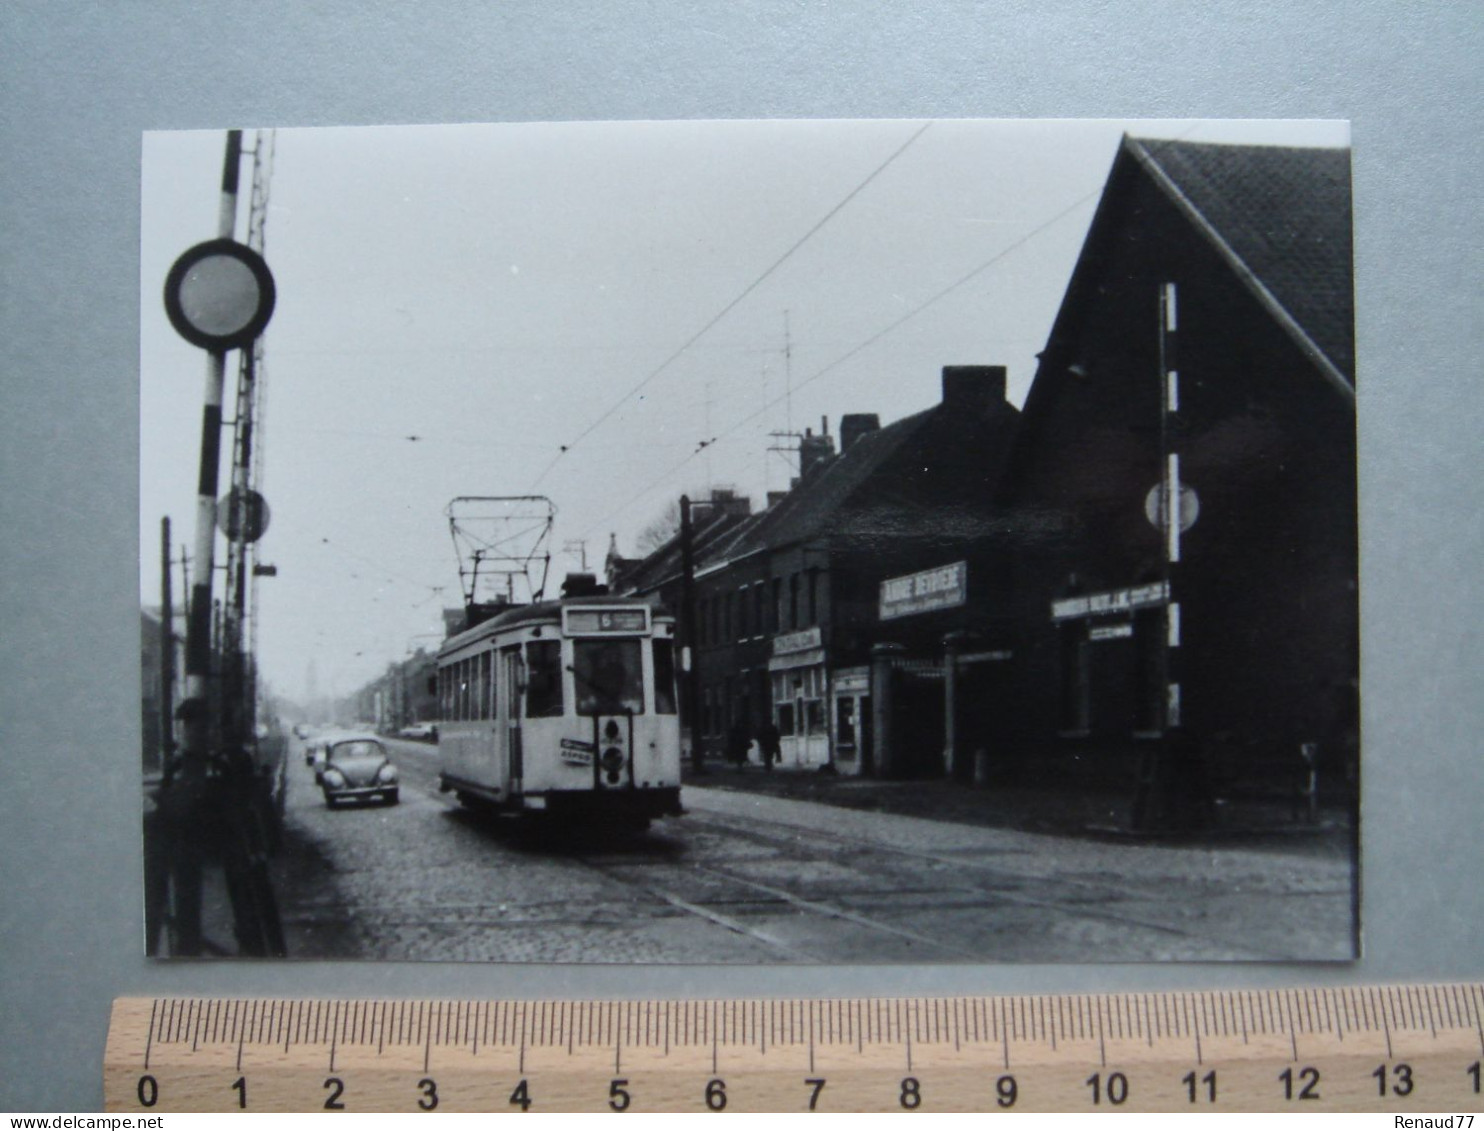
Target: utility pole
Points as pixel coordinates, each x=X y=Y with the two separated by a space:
x=692 y=637
x=167 y=657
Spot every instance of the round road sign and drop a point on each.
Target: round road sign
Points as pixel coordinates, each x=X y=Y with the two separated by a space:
x=242 y=516
x=1190 y=506
x=219 y=295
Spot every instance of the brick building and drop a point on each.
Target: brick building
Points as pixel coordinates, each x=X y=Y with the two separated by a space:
x=1207 y=333
x=792 y=600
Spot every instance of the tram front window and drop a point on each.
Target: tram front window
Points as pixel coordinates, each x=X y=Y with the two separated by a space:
x=609 y=677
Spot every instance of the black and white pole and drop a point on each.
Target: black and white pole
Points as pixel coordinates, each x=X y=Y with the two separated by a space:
x=219 y=295
x=1170 y=501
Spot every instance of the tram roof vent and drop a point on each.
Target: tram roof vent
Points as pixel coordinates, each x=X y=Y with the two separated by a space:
x=582 y=585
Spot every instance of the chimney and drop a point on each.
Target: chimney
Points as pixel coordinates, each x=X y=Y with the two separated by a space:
x=776 y=497
x=814 y=452
x=854 y=425
x=726 y=501
x=973 y=388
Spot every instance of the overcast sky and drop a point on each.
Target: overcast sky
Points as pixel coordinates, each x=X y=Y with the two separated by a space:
x=500 y=292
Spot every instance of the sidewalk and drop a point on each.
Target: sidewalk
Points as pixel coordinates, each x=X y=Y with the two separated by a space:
x=1080 y=811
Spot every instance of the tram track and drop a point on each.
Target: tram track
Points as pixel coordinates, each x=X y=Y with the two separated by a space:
x=661 y=874
x=994 y=876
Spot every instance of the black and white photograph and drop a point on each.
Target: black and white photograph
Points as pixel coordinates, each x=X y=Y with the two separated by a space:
x=750 y=542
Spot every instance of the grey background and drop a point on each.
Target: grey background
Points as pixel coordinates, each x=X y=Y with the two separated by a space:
x=78 y=82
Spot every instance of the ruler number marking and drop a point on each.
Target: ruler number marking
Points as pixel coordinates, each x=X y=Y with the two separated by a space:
x=1209 y=1080
x=1472 y=1071
x=716 y=1094
x=1401 y=1084
x=1308 y=1078
x=911 y=1093
x=816 y=1084
x=1115 y=1088
x=239 y=1086
x=618 y=1098
x=336 y=1087
x=1007 y=1091
x=521 y=1097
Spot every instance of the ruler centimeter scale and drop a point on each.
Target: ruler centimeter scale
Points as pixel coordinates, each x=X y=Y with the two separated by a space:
x=1401 y=1048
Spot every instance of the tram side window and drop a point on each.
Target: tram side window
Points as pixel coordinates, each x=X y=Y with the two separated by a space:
x=609 y=677
x=486 y=685
x=664 y=677
x=543 y=679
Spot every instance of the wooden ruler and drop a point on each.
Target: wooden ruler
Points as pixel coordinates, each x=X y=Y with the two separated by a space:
x=1394 y=1048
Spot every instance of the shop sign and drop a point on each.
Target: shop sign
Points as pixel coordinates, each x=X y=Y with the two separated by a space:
x=853 y=682
x=943 y=588
x=1115 y=601
x=1110 y=632
x=798 y=641
x=995 y=656
x=796 y=660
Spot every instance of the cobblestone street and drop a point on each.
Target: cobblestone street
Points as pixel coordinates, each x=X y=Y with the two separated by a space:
x=746 y=877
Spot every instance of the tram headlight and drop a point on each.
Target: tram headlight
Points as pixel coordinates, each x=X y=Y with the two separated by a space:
x=612 y=764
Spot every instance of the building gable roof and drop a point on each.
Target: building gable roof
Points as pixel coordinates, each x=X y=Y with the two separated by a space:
x=867 y=491
x=1281 y=218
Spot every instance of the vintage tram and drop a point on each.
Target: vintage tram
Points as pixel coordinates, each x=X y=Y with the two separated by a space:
x=564 y=708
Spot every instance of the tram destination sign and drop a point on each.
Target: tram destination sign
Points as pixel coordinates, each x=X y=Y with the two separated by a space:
x=606 y=622
x=945 y=587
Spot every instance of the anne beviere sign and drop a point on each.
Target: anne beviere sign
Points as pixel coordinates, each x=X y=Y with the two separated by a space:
x=941 y=588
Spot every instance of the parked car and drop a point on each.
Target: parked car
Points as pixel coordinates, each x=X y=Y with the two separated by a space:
x=314 y=756
x=356 y=768
x=419 y=730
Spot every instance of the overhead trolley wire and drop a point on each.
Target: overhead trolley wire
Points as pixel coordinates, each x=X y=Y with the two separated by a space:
x=868 y=342
x=694 y=338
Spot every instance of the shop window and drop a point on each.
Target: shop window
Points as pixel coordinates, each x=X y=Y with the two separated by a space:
x=814 y=716
x=786 y=719
x=845 y=722
x=664 y=677
x=544 y=679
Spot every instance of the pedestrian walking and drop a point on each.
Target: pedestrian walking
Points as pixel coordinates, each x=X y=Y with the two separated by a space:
x=739 y=739
x=770 y=743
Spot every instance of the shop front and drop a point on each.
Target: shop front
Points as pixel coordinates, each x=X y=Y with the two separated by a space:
x=850 y=691
x=800 y=694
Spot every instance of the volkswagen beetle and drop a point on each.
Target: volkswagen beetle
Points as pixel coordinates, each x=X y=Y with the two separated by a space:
x=356 y=768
